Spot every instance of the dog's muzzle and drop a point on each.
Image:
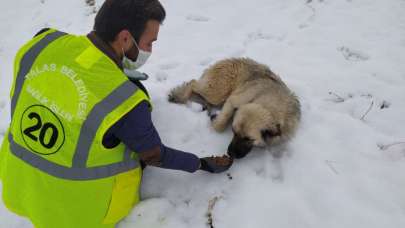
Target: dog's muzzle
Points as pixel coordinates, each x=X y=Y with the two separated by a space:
x=239 y=147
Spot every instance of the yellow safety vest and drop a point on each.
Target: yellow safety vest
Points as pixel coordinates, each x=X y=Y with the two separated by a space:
x=54 y=168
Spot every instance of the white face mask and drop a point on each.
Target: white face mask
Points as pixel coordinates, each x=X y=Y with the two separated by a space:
x=143 y=56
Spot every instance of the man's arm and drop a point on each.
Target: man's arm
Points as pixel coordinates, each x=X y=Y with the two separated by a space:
x=137 y=131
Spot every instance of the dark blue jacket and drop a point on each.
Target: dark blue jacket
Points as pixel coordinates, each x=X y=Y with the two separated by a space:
x=137 y=131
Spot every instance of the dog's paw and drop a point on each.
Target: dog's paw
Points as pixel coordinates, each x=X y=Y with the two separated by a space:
x=180 y=94
x=172 y=99
x=218 y=125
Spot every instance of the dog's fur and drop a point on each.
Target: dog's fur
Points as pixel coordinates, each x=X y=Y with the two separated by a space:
x=264 y=110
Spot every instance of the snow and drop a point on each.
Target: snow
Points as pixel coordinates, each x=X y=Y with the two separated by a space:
x=343 y=58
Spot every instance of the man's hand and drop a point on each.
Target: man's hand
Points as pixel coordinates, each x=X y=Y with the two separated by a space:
x=216 y=164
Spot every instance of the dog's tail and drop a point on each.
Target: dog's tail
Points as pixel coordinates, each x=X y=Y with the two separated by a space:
x=181 y=94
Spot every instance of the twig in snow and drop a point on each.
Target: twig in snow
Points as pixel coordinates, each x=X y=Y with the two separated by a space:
x=329 y=163
x=368 y=110
x=367 y=95
x=211 y=205
x=386 y=146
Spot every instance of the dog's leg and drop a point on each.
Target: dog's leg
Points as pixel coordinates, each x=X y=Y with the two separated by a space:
x=221 y=120
x=238 y=98
x=197 y=98
x=181 y=94
x=212 y=110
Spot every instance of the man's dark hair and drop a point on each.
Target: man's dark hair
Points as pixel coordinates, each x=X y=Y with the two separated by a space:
x=117 y=15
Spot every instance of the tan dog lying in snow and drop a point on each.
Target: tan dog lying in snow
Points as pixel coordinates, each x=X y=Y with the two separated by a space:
x=264 y=110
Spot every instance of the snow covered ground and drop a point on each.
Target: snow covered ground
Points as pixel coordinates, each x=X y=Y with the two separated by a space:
x=345 y=59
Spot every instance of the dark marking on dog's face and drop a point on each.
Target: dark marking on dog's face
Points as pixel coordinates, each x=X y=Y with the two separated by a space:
x=240 y=146
x=271 y=133
x=252 y=127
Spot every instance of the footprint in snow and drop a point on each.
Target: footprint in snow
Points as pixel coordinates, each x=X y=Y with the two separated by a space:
x=197 y=18
x=259 y=35
x=169 y=66
x=91 y=2
x=353 y=55
x=151 y=212
x=161 y=76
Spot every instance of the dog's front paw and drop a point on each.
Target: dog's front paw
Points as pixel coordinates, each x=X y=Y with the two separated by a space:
x=218 y=125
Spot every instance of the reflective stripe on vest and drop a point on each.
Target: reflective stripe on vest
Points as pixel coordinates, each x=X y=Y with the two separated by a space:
x=88 y=130
x=27 y=61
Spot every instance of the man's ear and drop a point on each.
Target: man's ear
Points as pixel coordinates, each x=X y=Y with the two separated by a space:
x=122 y=42
x=124 y=39
x=127 y=36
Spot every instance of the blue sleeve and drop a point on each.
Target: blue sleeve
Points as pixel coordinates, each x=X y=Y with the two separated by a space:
x=177 y=159
x=137 y=131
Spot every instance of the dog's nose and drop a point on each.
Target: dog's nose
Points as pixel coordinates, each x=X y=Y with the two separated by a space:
x=235 y=153
x=239 y=148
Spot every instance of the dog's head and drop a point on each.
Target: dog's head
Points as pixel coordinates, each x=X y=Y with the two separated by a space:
x=252 y=126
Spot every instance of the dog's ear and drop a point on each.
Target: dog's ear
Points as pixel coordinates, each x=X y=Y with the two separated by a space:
x=270 y=133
